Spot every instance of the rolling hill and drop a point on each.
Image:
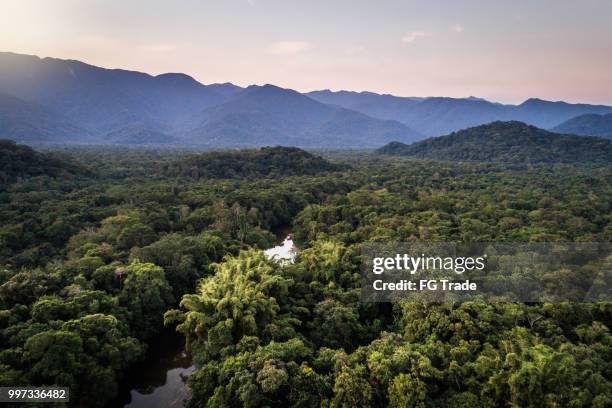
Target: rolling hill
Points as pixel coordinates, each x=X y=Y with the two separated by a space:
x=510 y=142
x=19 y=162
x=588 y=125
x=254 y=163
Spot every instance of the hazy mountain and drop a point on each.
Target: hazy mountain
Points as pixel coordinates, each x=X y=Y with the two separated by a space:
x=227 y=89
x=28 y=122
x=269 y=115
x=439 y=115
x=138 y=134
x=127 y=107
x=104 y=99
x=363 y=100
x=66 y=101
x=588 y=125
x=513 y=142
x=546 y=114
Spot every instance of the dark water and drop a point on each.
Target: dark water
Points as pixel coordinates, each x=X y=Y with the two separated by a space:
x=160 y=380
x=281 y=232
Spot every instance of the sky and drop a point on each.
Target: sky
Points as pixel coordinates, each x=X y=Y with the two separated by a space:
x=505 y=51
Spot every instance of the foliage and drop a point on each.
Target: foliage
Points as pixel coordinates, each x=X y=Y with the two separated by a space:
x=91 y=264
x=509 y=142
x=264 y=162
x=19 y=161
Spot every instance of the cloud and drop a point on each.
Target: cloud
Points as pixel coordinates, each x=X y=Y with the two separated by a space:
x=456 y=28
x=288 y=47
x=414 y=35
x=159 y=47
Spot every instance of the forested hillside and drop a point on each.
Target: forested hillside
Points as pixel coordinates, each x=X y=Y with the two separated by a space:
x=264 y=162
x=18 y=162
x=508 y=142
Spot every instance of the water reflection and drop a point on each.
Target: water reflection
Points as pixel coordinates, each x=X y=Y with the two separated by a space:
x=173 y=393
x=285 y=252
x=160 y=380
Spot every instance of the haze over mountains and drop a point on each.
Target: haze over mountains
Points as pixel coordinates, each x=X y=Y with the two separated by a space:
x=65 y=101
x=437 y=116
x=30 y=122
x=97 y=105
x=589 y=124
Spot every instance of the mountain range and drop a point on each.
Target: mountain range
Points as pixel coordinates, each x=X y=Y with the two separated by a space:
x=98 y=105
x=49 y=100
x=438 y=116
x=30 y=122
x=590 y=124
x=507 y=142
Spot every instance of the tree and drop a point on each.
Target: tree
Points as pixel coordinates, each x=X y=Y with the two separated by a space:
x=146 y=294
x=407 y=391
x=242 y=298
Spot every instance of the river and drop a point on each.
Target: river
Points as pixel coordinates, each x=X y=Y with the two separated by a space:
x=285 y=251
x=160 y=380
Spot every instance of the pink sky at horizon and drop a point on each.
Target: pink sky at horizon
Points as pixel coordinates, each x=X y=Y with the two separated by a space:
x=502 y=51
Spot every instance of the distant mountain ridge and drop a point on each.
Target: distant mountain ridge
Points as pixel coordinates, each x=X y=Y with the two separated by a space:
x=49 y=100
x=508 y=142
x=588 y=125
x=100 y=99
x=435 y=116
x=275 y=116
x=33 y=123
x=128 y=107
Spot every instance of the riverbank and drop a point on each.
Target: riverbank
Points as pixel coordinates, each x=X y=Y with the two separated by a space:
x=160 y=381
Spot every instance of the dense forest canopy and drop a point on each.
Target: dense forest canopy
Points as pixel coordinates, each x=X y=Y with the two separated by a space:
x=263 y=162
x=18 y=162
x=508 y=142
x=93 y=266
